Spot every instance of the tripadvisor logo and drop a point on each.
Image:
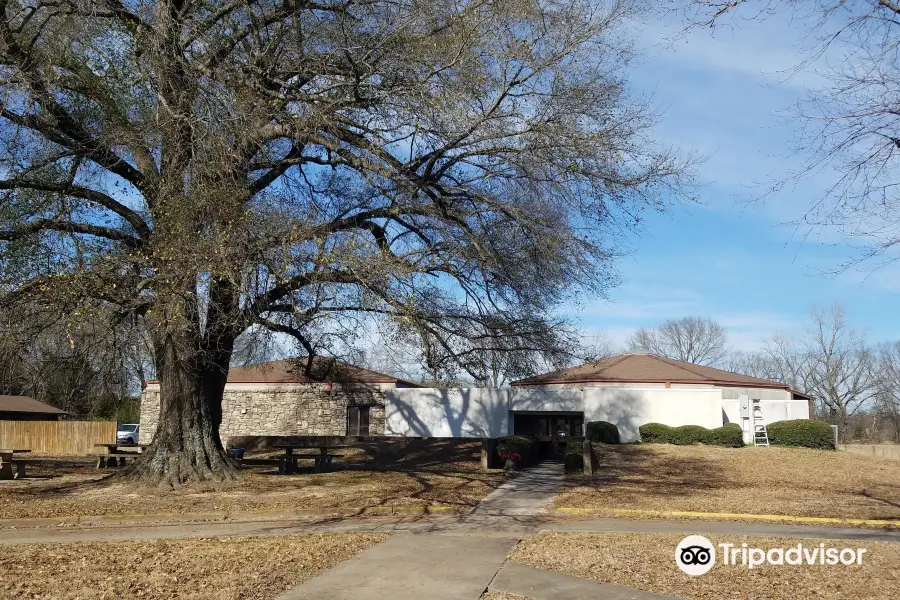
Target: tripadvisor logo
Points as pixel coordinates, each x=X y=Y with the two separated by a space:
x=696 y=555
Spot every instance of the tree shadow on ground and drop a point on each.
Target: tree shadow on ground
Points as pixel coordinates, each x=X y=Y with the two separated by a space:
x=635 y=470
x=417 y=471
x=873 y=495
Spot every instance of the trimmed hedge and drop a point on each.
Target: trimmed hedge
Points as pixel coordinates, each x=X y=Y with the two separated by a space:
x=656 y=433
x=525 y=445
x=689 y=434
x=803 y=433
x=603 y=432
x=729 y=435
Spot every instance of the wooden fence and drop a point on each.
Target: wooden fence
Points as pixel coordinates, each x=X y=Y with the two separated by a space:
x=57 y=437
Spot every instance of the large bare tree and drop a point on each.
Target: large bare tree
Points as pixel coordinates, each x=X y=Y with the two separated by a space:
x=213 y=167
x=851 y=125
x=841 y=364
x=692 y=339
x=831 y=361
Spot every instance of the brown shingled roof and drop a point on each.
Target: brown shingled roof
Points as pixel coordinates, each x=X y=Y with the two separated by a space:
x=647 y=368
x=24 y=404
x=293 y=370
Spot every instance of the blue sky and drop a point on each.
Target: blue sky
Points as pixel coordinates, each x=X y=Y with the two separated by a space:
x=727 y=96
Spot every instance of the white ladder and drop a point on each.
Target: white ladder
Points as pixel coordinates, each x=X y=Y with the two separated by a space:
x=760 y=433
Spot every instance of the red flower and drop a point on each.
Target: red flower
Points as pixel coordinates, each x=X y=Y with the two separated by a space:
x=511 y=456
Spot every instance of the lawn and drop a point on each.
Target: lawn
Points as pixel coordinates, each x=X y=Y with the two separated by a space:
x=248 y=568
x=771 y=481
x=647 y=562
x=443 y=473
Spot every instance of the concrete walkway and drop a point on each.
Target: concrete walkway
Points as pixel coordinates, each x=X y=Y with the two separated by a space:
x=688 y=526
x=537 y=584
x=483 y=526
x=529 y=493
x=412 y=567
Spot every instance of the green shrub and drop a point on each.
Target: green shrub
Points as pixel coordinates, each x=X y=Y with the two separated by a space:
x=656 y=433
x=603 y=432
x=524 y=445
x=689 y=434
x=729 y=435
x=804 y=433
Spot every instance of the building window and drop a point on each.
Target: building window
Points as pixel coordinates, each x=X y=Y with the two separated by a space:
x=357 y=420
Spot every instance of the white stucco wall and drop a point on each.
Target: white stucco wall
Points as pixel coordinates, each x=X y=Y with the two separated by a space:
x=546 y=399
x=629 y=408
x=475 y=412
x=458 y=412
x=478 y=413
x=772 y=410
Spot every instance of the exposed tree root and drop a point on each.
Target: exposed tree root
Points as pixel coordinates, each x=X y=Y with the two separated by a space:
x=165 y=468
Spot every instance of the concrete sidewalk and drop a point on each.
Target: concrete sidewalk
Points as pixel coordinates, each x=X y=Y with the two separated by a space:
x=412 y=567
x=484 y=526
x=689 y=526
x=529 y=493
x=537 y=584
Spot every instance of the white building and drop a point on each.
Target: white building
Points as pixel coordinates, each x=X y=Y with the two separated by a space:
x=286 y=398
x=628 y=390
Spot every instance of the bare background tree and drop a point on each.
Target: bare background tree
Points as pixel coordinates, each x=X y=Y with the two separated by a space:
x=851 y=130
x=832 y=362
x=293 y=167
x=697 y=340
x=829 y=360
x=90 y=371
x=887 y=399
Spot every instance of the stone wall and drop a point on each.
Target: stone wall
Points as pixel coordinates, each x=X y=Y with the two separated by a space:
x=295 y=409
x=891 y=451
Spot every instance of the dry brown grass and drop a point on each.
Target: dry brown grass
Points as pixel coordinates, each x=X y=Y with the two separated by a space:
x=493 y=595
x=781 y=481
x=444 y=474
x=248 y=568
x=647 y=562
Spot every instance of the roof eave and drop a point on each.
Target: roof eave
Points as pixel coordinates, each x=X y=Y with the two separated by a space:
x=762 y=384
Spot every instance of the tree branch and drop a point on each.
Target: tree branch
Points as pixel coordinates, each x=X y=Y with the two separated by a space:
x=39 y=225
x=134 y=219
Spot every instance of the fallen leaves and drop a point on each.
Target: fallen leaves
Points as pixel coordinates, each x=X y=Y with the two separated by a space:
x=245 y=568
x=442 y=474
x=647 y=562
x=780 y=481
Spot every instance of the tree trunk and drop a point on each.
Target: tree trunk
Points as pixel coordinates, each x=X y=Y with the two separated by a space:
x=186 y=447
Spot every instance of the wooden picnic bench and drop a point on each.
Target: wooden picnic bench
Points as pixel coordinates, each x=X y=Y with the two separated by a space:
x=114 y=457
x=322 y=458
x=7 y=463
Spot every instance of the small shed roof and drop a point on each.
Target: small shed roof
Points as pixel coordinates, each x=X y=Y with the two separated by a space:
x=24 y=404
x=649 y=368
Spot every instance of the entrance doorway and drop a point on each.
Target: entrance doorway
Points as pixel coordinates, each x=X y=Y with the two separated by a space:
x=551 y=429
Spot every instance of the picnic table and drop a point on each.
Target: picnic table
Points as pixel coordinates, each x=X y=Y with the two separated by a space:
x=7 y=463
x=288 y=464
x=113 y=456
